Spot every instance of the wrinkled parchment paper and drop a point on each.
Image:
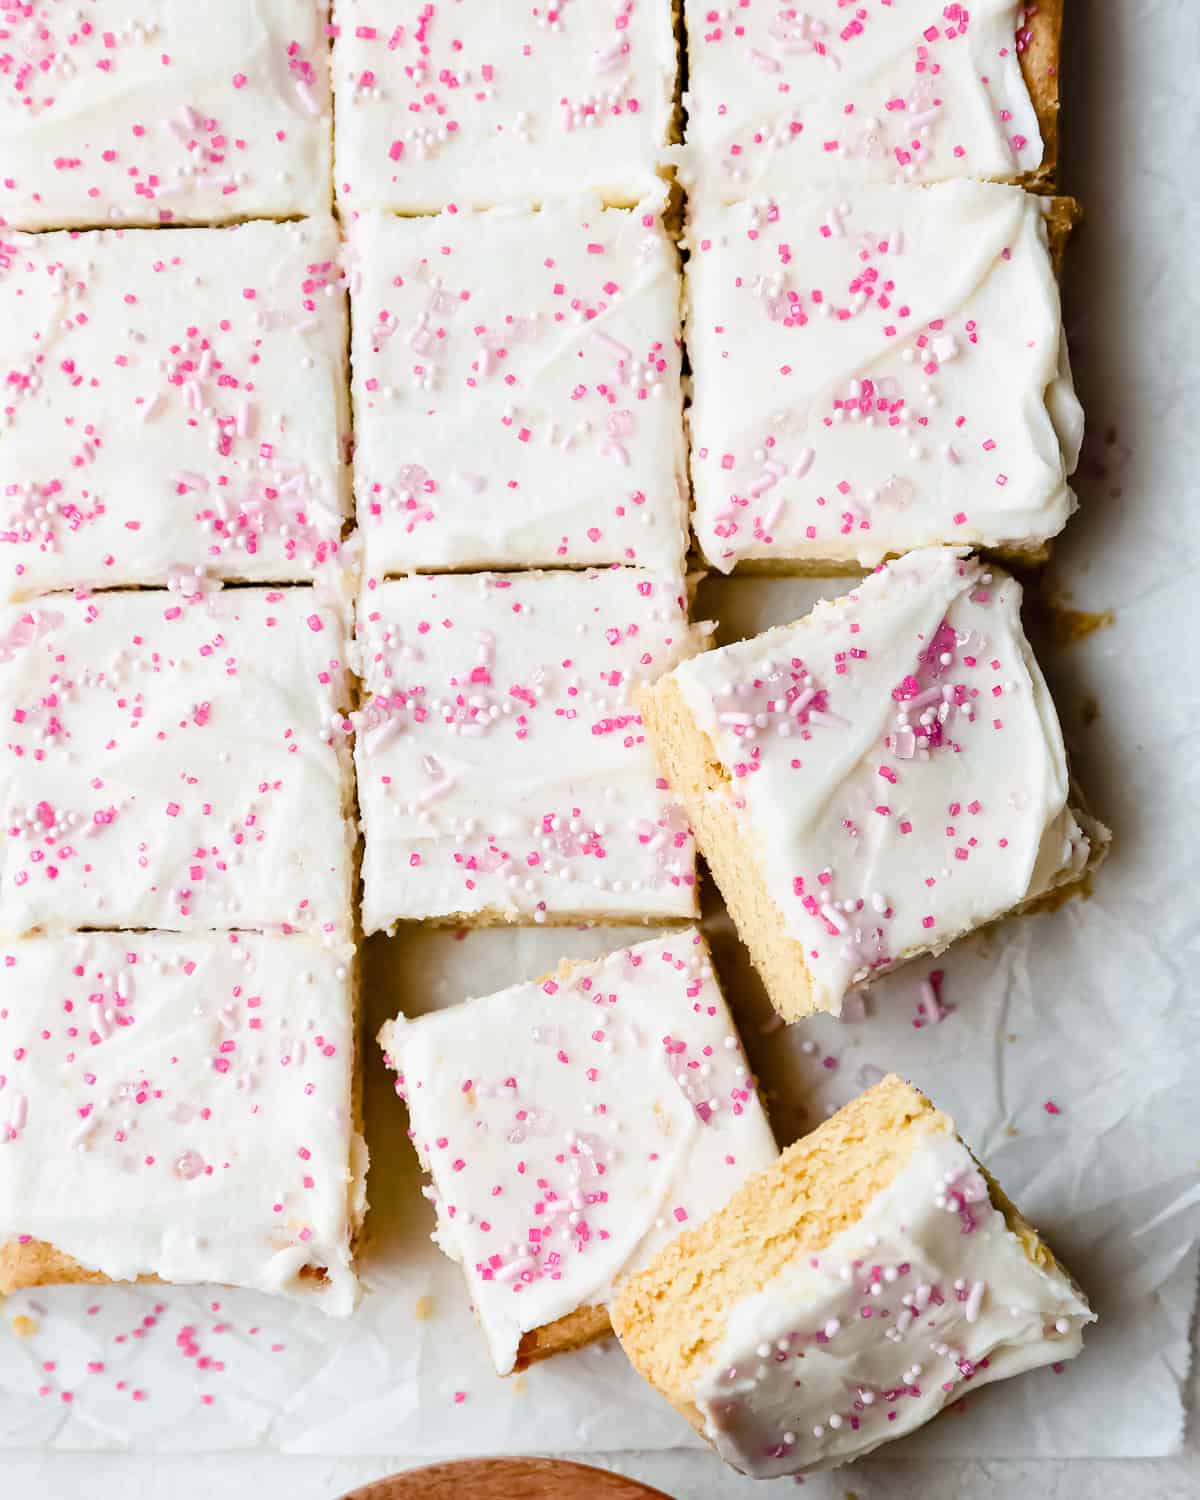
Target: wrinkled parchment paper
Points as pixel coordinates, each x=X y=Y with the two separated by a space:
x=1092 y=1010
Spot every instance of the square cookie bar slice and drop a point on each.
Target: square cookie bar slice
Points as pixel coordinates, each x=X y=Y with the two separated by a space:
x=175 y=762
x=167 y=113
x=504 y=774
x=174 y=404
x=783 y=96
x=498 y=101
x=516 y=390
x=875 y=780
x=877 y=369
x=180 y=1107
x=571 y=1126
x=845 y=1295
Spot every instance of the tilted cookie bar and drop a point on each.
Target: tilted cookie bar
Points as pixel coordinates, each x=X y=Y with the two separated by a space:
x=877 y=779
x=571 y=1126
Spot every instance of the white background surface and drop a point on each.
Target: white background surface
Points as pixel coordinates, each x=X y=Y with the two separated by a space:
x=1133 y=129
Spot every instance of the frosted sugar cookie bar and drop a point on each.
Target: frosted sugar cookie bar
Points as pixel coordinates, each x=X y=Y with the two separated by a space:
x=173 y=404
x=787 y=96
x=495 y=101
x=175 y=761
x=875 y=780
x=516 y=389
x=877 y=369
x=504 y=774
x=180 y=1107
x=165 y=113
x=571 y=1126
x=845 y=1295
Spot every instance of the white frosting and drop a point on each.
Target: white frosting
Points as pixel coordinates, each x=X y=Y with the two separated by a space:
x=516 y=389
x=173 y=112
x=175 y=762
x=495 y=101
x=572 y=1126
x=875 y=370
x=896 y=762
x=909 y=91
x=171 y=404
x=928 y=1297
x=180 y=1106
x=501 y=767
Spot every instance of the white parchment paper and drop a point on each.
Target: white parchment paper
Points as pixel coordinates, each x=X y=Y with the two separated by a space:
x=1092 y=1009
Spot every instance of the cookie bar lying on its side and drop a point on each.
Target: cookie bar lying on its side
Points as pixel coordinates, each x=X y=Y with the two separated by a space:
x=845 y=1295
